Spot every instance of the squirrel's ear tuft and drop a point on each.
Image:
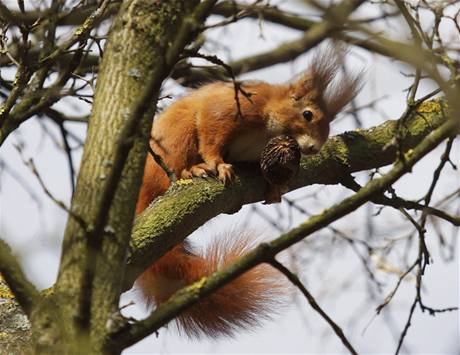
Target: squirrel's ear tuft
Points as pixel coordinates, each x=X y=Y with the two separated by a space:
x=336 y=90
x=325 y=65
x=342 y=92
x=322 y=70
x=322 y=80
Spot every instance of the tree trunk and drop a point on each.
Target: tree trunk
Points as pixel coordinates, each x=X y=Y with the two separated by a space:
x=142 y=47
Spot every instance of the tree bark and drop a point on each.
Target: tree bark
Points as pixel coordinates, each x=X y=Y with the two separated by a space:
x=14 y=325
x=144 y=43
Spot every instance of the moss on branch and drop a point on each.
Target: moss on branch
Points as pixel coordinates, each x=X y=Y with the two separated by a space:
x=11 y=273
x=265 y=252
x=187 y=206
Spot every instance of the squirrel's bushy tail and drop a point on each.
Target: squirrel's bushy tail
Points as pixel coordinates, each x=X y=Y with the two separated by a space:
x=242 y=304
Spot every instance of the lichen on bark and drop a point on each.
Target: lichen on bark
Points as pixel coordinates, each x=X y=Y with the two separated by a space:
x=14 y=324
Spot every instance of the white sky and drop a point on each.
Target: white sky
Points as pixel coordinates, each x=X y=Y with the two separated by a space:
x=35 y=231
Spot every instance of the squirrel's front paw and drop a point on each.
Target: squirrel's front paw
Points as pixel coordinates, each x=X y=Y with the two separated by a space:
x=202 y=170
x=225 y=172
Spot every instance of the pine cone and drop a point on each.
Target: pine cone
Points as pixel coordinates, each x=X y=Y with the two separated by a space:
x=279 y=162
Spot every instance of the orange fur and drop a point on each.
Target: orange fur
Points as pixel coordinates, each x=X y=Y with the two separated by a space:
x=202 y=134
x=243 y=303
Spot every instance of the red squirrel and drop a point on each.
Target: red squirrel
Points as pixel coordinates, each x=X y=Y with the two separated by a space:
x=203 y=134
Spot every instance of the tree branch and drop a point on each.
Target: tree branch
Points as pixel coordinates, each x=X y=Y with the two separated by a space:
x=131 y=333
x=188 y=205
x=151 y=35
x=26 y=294
x=296 y=281
x=14 y=325
x=334 y=18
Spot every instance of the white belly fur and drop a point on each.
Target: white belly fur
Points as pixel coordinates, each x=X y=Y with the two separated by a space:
x=247 y=146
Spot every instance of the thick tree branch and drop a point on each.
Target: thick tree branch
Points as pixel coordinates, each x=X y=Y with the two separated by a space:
x=188 y=205
x=265 y=252
x=334 y=18
x=25 y=293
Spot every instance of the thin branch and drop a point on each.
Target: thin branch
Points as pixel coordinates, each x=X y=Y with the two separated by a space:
x=398 y=203
x=335 y=17
x=406 y=327
x=80 y=34
x=296 y=281
x=68 y=152
x=389 y=297
x=31 y=165
x=159 y=160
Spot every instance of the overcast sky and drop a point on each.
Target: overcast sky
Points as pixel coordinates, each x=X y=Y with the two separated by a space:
x=33 y=225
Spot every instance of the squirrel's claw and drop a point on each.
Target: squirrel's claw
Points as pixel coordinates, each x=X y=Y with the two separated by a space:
x=225 y=173
x=200 y=170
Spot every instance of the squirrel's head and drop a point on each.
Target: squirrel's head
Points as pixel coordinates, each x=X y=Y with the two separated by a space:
x=305 y=108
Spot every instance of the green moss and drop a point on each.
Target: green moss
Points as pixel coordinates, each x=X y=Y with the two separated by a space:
x=172 y=210
x=47 y=292
x=194 y=288
x=164 y=20
x=5 y=293
x=430 y=106
x=183 y=182
x=199 y=284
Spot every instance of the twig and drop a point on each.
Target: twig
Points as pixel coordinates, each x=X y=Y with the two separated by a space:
x=31 y=165
x=393 y=292
x=237 y=86
x=159 y=160
x=406 y=327
x=68 y=152
x=295 y=280
x=80 y=34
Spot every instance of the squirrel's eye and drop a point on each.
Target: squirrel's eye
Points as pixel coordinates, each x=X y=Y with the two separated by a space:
x=308 y=115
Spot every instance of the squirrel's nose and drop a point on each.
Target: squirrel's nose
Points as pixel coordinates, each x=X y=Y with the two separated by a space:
x=310 y=149
x=313 y=149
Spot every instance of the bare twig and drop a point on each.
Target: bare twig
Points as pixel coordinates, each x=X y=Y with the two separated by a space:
x=296 y=281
